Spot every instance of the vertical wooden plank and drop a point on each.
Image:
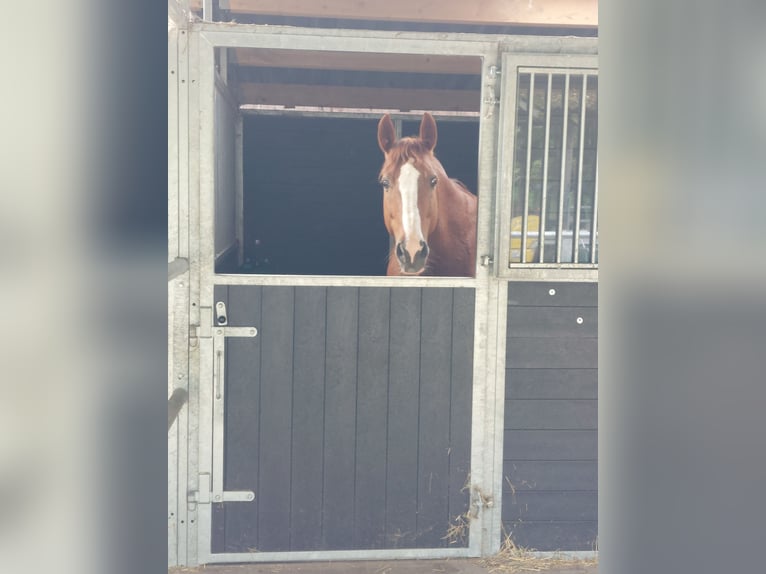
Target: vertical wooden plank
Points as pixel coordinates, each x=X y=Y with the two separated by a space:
x=340 y=417
x=434 y=423
x=372 y=418
x=308 y=418
x=460 y=406
x=276 y=335
x=243 y=365
x=402 y=455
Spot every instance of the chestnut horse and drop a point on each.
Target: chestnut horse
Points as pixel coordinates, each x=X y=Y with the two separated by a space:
x=431 y=218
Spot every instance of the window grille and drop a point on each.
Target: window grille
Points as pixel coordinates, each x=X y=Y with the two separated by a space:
x=554 y=195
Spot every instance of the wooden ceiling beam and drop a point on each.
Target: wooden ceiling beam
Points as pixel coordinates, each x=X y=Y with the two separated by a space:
x=428 y=64
x=292 y=95
x=574 y=13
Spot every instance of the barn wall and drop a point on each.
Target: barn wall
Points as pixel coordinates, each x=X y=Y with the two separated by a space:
x=349 y=415
x=225 y=224
x=550 y=447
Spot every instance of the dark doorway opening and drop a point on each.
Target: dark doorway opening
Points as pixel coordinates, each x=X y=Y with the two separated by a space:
x=312 y=202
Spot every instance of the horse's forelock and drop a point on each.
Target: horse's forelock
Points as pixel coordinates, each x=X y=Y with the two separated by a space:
x=407 y=149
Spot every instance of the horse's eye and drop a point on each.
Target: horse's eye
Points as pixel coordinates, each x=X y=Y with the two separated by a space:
x=385 y=183
x=433 y=181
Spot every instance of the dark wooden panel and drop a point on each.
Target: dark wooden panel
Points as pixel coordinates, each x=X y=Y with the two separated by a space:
x=372 y=419
x=551 y=383
x=552 y=321
x=276 y=335
x=542 y=475
x=242 y=409
x=460 y=408
x=340 y=416
x=550 y=445
x=402 y=455
x=308 y=419
x=434 y=424
x=553 y=352
x=551 y=414
x=551 y=536
x=557 y=506
x=566 y=294
x=349 y=415
x=550 y=476
x=242 y=417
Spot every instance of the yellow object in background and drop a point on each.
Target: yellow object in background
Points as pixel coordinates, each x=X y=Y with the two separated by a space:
x=533 y=232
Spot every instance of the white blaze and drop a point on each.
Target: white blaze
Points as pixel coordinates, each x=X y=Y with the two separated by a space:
x=408 y=188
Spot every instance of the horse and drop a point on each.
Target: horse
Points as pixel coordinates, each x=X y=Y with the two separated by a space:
x=431 y=218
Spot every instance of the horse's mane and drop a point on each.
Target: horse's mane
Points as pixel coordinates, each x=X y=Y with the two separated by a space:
x=460 y=184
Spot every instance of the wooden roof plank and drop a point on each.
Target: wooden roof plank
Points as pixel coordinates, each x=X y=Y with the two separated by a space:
x=367 y=62
x=576 y=13
x=292 y=95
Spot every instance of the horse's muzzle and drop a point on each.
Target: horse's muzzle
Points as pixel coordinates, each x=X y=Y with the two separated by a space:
x=412 y=263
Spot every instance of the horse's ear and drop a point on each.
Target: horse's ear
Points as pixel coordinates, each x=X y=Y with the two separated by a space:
x=386 y=133
x=428 y=131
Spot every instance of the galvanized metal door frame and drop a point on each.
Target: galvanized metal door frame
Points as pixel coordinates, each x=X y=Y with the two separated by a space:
x=489 y=327
x=180 y=176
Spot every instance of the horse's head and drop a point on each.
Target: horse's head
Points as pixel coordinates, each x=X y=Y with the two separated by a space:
x=410 y=176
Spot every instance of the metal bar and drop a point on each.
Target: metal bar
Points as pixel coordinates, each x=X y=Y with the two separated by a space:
x=344 y=281
x=219 y=378
x=237 y=496
x=184 y=143
x=207 y=10
x=236 y=331
x=578 y=203
x=505 y=151
x=356 y=113
x=176 y=401
x=563 y=167
x=223 y=65
x=254 y=35
x=205 y=241
x=177 y=267
x=173 y=141
x=481 y=538
x=570 y=274
x=259 y=36
x=225 y=91
x=525 y=211
x=545 y=167
x=341 y=555
x=558 y=70
x=239 y=190
x=491 y=482
x=594 y=225
x=184 y=365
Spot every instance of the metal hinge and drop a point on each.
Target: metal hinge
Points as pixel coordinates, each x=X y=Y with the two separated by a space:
x=205 y=495
x=494 y=72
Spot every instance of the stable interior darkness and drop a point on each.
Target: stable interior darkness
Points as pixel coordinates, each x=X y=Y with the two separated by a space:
x=312 y=202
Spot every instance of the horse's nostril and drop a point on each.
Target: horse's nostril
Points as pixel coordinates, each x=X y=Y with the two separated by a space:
x=399 y=251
